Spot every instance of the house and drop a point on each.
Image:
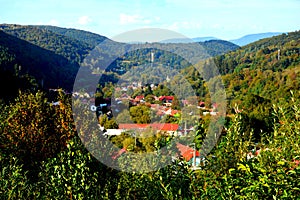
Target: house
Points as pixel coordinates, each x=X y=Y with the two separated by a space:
x=186 y=152
x=191 y=155
x=125 y=96
x=210 y=113
x=171 y=112
x=166 y=100
x=185 y=102
x=139 y=99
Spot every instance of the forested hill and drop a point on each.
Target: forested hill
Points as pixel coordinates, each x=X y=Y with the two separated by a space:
x=81 y=35
x=267 y=69
x=49 y=69
x=55 y=50
x=72 y=49
x=263 y=54
x=76 y=44
x=218 y=47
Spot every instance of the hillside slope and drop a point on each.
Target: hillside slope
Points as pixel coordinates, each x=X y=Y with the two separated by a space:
x=81 y=35
x=49 y=69
x=269 y=68
x=276 y=53
x=72 y=49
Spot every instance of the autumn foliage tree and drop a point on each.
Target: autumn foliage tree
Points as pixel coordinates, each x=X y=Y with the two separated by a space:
x=34 y=129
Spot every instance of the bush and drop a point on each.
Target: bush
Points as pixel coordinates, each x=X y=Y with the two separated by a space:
x=34 y=129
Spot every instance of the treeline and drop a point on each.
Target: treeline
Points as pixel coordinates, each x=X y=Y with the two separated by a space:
x=81 y=35
x=70 y=48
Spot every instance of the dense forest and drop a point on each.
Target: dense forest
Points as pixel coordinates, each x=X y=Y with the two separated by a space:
x=43 y=156
x=53 y=55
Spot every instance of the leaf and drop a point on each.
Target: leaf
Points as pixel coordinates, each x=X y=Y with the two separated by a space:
x=280 y=163
x=292 y=172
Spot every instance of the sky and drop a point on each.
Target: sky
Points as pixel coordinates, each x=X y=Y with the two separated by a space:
x=224 y=19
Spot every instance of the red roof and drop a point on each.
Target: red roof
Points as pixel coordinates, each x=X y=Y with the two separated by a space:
x=156 y=126
x=186 y=152
x=117 y=154
x=168 y=98
x=140 y=97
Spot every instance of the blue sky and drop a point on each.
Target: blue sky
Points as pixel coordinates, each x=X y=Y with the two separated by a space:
x=225 y=19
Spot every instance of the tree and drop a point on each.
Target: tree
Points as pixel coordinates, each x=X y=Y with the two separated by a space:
x=123 y=117
x=140 y=114
x=34 y=129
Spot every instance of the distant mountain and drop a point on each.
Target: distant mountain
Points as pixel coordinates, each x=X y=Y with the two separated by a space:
x=247 y=39
x=218 y=47
x=204 y=39
x=188 y=40
x=177 y=40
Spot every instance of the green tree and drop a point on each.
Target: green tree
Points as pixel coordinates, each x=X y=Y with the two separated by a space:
x=140 y=114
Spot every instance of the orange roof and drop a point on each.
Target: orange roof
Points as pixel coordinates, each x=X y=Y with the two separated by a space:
x=156 y=126
x=186 y=152
x=173 y=112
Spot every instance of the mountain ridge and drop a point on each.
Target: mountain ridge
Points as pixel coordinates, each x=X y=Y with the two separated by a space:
x=250 y=38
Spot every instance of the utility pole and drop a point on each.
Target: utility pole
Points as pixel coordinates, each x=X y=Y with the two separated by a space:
x=185 y=132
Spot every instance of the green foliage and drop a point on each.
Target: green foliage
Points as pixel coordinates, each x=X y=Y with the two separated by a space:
x=13 y=179
x=32 y=129
x=41 y=158
x=228 y=173
x=263 y=55
x=62 y=45
x=49 y=69
x=84 y=36
x=107 y=123
x=140 y=114
x=69 y=175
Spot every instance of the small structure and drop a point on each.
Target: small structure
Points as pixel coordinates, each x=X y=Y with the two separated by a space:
x=166 y=100
x=167 y=127
x=113 y=132
x=191 y=155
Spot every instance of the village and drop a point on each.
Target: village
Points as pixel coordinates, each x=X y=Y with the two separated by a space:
x=162 y=108
x=167 y=116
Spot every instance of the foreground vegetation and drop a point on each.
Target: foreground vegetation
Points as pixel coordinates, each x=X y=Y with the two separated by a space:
x=43 y=158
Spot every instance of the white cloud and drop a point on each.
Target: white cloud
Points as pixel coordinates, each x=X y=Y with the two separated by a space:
x=129 y=19
x=126 y=19
x=83 y=20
